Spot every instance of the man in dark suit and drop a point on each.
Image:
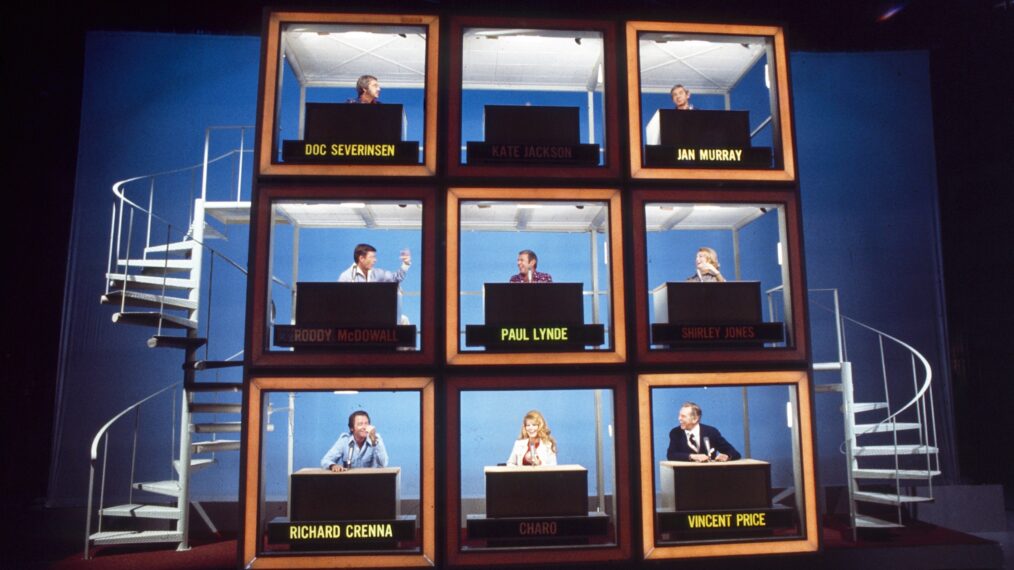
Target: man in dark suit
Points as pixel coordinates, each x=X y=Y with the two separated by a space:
x=694 y=441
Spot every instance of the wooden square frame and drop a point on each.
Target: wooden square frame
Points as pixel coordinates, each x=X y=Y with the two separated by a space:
x=798 y=352
x=542 y=556
x=252 y=484
x=781 y=89
x=268 y=98
x=810 y=542
x=268 y=194
x=618 y=313
x=611 y=168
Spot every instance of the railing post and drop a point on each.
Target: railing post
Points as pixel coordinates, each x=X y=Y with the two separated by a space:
x=88 y=510
x=204 y=173
x=183 y=525
x=126 y=263
x=102 y=484
x=151 y=211
x=133 y=455
x=239 y=173
x=110 y=268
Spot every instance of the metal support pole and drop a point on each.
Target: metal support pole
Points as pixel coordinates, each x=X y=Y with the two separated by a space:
x=599 y=483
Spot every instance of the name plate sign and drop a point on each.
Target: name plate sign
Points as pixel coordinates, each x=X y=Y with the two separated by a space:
x=534 y=337
x=707 y=157
x=594 y=524
x=533 y=153
x=340 y=535
x=303 y=336
x=730 y=334
x=402 y=152
x=725 y=521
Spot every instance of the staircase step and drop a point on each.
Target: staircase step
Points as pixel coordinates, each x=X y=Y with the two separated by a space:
x=229 y=212
x=151 y=300
x=894 y=473
x=158 y=266
x=150 y=281
x=218 y=427
x=215 y=446
x=212 y=364
x=167 y=488
x=889 y=498
x=195 y=464
x=143 y=511
x=175 y=247
x=866 y=521
x=214 y=387
x=826 y=366
x=870 y=450
x=154 y=319
x=858 y=407
x=886 y=427
x=135 y=537
x=165 y=341
x=215 y=408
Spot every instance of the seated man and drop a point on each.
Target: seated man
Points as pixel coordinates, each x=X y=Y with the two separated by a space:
x=694 y=441
x=362 y=271
x=367 y=91
x=707 y=267
x=528 y=262
x=361 y=446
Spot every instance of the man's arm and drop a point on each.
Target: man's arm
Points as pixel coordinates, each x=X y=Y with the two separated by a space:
x=379 y=453
x=334 y=455
x=384 y=276
x=678 y=451
x=722 y=445
x=347 y=275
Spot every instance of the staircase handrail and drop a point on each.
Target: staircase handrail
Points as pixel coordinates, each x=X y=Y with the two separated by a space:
x=107 y=425
x=103 y=433
x=925 y=363
x=124 y=200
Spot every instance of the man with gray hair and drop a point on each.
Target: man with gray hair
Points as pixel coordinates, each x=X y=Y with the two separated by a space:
x=694 y=441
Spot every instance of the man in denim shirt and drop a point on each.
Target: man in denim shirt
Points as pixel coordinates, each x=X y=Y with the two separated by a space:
x=362 y=446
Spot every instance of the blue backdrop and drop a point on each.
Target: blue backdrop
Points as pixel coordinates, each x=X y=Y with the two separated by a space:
x=864 y=140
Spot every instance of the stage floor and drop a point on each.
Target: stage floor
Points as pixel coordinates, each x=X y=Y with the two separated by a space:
x=57 y=542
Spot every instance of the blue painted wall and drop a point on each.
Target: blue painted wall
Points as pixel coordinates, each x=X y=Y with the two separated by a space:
x=863 y=126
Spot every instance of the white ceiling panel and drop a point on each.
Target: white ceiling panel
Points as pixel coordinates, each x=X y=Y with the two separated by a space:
x=714 y=65
x=337 y=55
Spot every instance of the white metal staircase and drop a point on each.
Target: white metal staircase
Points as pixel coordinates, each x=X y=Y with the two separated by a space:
x=890 y=442
x=159 y=285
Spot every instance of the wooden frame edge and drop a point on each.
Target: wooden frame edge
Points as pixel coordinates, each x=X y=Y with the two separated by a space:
x=455 y=356
x=266 y=165
x=797 y=378
x=638 y=171
x=252 y=450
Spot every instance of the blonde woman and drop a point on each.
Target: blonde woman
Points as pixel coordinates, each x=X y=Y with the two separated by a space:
x=535 y=446
x=707 y=267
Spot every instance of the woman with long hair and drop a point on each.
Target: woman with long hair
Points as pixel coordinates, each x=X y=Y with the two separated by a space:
x=535 y=446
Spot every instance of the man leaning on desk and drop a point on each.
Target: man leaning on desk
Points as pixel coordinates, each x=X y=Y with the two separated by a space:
x=361 y=446
x=694 y=441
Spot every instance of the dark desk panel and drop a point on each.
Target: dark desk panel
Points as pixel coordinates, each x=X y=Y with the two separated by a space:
x=544 y=491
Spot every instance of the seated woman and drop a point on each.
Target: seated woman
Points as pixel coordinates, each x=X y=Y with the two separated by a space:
x=535 y=445
x=707 y=267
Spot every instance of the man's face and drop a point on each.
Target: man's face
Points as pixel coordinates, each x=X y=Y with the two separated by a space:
x=523 y=262
x=366 y=262
x=680 y=97
x=373 y=89
x=360 y=427
x=687 y=419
